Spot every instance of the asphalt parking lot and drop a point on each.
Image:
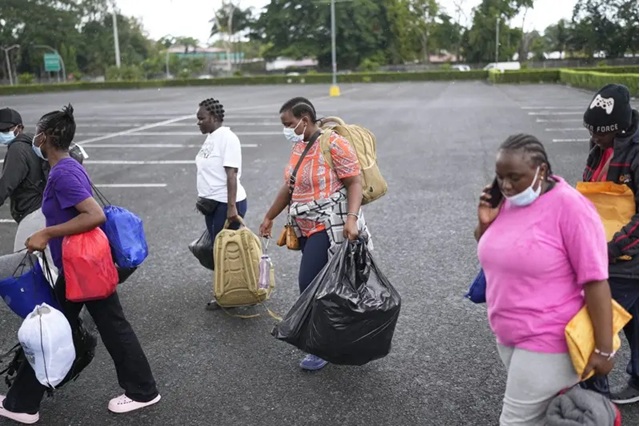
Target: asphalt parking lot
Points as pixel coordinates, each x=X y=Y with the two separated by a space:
x=436 y=145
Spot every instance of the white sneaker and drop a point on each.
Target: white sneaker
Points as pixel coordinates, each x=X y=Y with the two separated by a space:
x=24 y=418
x=124 y=404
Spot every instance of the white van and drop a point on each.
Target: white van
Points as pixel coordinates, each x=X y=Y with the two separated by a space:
x=502 y=66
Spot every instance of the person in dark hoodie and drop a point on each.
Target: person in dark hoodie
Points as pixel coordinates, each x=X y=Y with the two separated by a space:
x=24 y=177
x=613 y=126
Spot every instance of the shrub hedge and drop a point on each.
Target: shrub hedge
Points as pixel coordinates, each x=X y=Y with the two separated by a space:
x=520 y=76
x=595 y=80
x=372 y=77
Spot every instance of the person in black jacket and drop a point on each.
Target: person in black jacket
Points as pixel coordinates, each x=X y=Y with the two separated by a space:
x=613 y=126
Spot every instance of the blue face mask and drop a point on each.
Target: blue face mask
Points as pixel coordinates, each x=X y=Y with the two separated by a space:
x=37 y=149
x=7 y=137
x=529 y=195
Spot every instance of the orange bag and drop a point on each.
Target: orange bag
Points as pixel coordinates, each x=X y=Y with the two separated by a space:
x=615 y=203
x=89 y=271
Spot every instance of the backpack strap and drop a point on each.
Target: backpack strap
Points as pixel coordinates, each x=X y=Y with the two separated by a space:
x=294 y=174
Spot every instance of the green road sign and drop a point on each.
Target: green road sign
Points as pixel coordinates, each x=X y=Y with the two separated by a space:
x=51 y=62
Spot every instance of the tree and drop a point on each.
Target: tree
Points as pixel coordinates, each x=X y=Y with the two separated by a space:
x=558 y=36
x=230 y=20
x=447 y=34
x=606 y=25
x=480 y=40
x=302 y=28
x=425 y=12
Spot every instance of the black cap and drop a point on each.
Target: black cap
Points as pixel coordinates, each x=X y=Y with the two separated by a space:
x=9 y=118
x=609 y=110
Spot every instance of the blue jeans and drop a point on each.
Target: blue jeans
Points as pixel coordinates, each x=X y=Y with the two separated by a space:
x=625 y=292
x=314 y=257
x=215 y=221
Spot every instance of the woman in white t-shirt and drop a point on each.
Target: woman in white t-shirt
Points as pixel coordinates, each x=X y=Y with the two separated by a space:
x=221 y=197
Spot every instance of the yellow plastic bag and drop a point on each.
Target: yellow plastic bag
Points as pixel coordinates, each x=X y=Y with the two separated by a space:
x=614 y=202
x=580 y=336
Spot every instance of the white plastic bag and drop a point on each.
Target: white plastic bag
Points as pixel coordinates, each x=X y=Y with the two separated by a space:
x=45 y=336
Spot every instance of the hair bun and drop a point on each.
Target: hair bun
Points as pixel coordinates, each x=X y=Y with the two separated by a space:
x=68 y=111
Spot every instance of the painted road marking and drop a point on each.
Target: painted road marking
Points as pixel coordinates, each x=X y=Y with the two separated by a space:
x=159 y=145
x=140 y=133
x=132 y=185
x=557 y=113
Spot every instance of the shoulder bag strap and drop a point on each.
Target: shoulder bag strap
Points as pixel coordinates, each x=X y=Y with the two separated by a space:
x=293 y=177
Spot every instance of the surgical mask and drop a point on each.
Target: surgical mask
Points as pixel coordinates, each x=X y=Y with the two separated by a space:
x=528 y=196
x=7 y=137
x=37 y=149
x=291 y=135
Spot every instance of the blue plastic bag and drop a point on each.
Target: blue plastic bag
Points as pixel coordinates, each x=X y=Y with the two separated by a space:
x=478 y=289
x=126 y=237
x=27 y=286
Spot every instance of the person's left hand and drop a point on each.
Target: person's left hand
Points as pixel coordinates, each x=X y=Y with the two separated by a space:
x=37 y=241
x=232 y=214
x=599 y=364
x=350 y=231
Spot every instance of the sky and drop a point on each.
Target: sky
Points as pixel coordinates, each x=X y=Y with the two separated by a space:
x=190 y=18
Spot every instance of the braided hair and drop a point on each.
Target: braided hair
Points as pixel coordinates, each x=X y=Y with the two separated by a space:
x=531 y=146
x=213 y=107
x=60 y=127
x=299 y=106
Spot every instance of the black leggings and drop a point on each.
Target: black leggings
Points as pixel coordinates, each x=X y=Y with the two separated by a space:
x=132 y=367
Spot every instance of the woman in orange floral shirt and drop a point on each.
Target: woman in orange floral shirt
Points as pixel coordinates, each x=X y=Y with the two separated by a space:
x=324 y=202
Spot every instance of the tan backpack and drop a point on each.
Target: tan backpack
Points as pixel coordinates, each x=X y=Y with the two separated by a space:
x=364 y=142
x=237 y=258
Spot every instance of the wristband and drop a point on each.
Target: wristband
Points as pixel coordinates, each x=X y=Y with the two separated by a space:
x=354 y=215
x=609 y=356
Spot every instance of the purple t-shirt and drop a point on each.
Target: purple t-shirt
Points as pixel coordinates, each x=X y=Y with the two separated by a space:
x=67 y=186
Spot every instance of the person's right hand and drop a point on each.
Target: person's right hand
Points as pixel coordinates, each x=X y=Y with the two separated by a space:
x=265 y=227
x=486 y=213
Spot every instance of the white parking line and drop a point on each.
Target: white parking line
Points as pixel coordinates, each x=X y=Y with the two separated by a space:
x=554 y=107
x=241 y=111
x=7 y=221
x=136 y=162
x=132 y=185
x=557 y=113
x=140 y=133
x=159 y=145
x=568 y=129
x=561 y=120
x=570 y=140
x=127 y=125
x=135 y=130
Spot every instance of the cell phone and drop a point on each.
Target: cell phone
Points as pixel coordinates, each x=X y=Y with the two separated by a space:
x=496 y=193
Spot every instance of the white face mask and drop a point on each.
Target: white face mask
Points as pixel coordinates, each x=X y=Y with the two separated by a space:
x=529 y=195
x=291 y=135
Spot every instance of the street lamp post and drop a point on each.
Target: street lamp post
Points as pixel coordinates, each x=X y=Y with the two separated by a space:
x=64 y=71
x=116 y=41
x=334 y=90
x=6 y=55
x=497 y=38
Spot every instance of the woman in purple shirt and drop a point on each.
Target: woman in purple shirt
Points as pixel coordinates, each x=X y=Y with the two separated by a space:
x=69 y=209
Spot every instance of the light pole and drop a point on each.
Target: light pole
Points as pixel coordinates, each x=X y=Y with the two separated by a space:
x=116 y=41
x=64 y=71
x=334 y=90
x=6 y=55
x=497 y=38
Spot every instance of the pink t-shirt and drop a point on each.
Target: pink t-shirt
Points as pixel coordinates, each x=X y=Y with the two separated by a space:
x=536 y=260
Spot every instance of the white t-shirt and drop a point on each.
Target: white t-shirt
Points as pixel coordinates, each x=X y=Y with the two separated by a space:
x=221 y=149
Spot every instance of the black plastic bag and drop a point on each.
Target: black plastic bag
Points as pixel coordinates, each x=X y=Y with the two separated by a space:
x=348 y=314
x=202 y=249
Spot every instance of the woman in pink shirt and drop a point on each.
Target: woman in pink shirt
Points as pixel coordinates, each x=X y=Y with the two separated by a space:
x=543 y=251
